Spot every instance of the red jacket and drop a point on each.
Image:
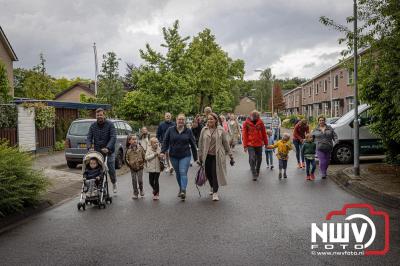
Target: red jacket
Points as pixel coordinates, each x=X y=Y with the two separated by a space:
x=299 y=131
x=254 y=135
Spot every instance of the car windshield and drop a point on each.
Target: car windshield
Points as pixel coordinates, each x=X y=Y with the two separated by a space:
x=80 y=128
x=348 y=115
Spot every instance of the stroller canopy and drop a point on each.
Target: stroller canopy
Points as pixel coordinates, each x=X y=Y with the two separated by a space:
x=94 y=155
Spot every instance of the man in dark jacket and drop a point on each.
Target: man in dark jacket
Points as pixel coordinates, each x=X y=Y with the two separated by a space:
x=102 y=135
x=161 y=130
x=163 y=127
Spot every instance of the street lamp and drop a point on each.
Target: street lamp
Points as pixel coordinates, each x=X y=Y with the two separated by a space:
x=355 y=124
x=272 y=92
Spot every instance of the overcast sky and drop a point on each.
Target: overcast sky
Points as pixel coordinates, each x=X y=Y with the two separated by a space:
x=285 y=35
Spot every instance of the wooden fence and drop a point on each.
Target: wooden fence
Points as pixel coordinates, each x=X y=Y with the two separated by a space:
x=10 y=134
x=45 y=138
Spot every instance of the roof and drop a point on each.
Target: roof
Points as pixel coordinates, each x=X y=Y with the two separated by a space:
x=84 y=86
x=337 y=65
x=67 y=105
x=7 y=45
x=292 y=90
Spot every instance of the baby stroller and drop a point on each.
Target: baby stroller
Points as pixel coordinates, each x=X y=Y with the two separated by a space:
x=101 y=196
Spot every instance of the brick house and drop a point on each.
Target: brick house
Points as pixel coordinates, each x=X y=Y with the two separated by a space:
x=329 y=93
x=73 y=93
x=245 y=106
x=7 y=57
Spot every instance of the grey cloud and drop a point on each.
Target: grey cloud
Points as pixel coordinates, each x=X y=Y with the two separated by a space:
x=309 y=65
x=258 y=31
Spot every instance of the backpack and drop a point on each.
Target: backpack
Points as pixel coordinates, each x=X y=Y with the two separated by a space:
x=200 y=179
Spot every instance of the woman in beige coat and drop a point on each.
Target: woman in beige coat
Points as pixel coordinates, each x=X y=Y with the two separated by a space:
x=213 y=148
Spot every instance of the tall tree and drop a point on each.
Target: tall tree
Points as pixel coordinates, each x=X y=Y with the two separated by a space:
x=379 y=73
x=279 y=103
x=111 y=89
x=4 y=84
x=38 y=85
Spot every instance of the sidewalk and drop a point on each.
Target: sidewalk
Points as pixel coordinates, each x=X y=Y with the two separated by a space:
x=378 y=182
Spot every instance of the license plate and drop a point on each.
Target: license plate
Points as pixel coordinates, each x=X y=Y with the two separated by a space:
x=82 y=145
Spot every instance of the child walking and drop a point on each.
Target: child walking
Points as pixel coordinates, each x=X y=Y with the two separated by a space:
x=135 y=159
x=268 y=152
x=309 y=148
x=153 y=166
x=284 y=147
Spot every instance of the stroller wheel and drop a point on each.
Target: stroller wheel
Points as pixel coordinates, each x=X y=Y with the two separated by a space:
x=79 y=205
x=109 y=200
x=83 y=206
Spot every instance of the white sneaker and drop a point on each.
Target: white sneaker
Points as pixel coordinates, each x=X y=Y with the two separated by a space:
x=115 y=188
x=215 y=197
x=135 y=197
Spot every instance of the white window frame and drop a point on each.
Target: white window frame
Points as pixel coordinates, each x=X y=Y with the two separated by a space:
x=336 y=106
x=317 y=89
x=325 y=85
x=336 y=81
x=350 y=77
x=350 y=104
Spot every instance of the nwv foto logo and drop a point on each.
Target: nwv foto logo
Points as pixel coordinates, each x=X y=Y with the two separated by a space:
x=350 y=234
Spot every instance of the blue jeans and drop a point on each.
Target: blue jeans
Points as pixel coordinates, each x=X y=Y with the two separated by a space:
x=268 y=157
x=111 y=167
x=181 y=166
x=276 y=133
x=299 y=155
x=310 y=164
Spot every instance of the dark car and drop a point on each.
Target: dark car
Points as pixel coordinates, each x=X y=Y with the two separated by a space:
x=75 y=143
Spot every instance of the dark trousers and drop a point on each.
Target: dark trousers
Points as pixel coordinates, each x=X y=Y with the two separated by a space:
x=310 y=164
x=211 y=172
x=282 y=164
x=255 y=158
x=299 y=155
x=153 y=179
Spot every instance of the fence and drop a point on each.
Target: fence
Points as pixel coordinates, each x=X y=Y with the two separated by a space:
x=44 y=138
x=10 y=134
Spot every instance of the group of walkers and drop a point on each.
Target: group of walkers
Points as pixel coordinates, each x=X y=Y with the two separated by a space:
x=209 y=141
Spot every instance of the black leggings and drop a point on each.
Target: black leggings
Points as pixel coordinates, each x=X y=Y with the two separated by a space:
x=153 y=179
x=211 y=172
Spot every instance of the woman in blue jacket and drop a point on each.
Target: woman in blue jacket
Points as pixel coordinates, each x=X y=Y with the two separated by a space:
x=180 y=144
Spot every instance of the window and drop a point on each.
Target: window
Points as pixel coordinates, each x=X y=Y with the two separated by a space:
x=350 y=104
x=128 y=128
x=336 y=106
x=120 y=127
x=310 y=110
x=80 y=128
x=336 y=82
x=325 y=85
x=317 y=89
x=309 y=93
x=350 y=75
x=326 y=108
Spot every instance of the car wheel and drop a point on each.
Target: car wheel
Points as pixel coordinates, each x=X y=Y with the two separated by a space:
x=343 y=153
x=72 y=165
x=118 y=160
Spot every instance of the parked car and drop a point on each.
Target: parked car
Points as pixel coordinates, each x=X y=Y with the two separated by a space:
x=75 y=143
x=332 y=120
x=267 y=120
x=370 y=144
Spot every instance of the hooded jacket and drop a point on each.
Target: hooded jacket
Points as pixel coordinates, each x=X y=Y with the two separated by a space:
x=254 y=134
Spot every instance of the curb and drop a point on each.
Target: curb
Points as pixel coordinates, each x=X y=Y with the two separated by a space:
x=354 y=185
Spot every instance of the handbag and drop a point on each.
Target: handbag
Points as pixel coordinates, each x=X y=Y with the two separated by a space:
x=200 y=179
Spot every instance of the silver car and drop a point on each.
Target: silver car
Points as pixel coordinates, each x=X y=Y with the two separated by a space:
x=75 y=143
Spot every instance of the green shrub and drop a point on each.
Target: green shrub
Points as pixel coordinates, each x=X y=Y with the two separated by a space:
x=45 y=116
x=8 y=116
x=62 y=126
x=20 y=185
x=59 y=146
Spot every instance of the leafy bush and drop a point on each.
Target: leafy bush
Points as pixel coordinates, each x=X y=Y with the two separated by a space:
x=45 y=116
x=8 y=116
x=20 y=185
x=62 y=126
x=59 y=146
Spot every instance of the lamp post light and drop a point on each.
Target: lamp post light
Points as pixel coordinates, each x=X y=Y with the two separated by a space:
x=356 y=123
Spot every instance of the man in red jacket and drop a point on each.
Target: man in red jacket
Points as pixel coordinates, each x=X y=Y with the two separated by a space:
x=254 y=137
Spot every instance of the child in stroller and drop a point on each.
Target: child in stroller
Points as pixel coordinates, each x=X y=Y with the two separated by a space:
x=95 y=179
x=92 y=176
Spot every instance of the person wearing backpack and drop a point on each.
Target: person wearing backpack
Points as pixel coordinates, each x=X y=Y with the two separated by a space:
x=213 y=148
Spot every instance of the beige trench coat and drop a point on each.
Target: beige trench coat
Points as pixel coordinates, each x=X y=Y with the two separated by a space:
x=222 y=149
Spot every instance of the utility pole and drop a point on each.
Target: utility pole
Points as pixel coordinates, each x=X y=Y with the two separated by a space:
x=356 y=124
x=96 y=69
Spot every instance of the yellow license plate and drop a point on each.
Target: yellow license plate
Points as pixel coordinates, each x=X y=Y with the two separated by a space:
x=82 y=145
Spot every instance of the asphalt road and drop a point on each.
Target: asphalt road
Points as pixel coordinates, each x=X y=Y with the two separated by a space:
x=255 y=223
